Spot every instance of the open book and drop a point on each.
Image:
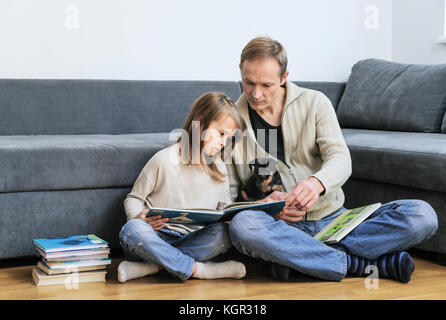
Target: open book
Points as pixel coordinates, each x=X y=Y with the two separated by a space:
x=207 y=216
x=344 y=223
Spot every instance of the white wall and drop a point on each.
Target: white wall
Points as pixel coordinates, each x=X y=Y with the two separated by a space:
x=416 y=26
x=193 y=39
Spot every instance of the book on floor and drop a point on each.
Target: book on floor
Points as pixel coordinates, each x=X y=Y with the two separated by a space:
x=207 y=216
x=79 y=254
x=336 y=230
x=42 y=279
x=69 y=243
x=80 y=258
x=49 y=271
x=76 y=263
x=77 y=258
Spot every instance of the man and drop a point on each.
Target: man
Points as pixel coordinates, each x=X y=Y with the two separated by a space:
x=314 y=162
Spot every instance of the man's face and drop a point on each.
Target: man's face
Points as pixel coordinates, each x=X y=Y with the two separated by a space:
x=261 y=82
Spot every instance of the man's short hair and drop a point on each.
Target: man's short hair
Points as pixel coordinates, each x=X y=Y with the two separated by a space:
x=263 y=47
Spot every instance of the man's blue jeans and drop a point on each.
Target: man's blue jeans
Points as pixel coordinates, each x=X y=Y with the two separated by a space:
x=395 y=226
x=172 y=250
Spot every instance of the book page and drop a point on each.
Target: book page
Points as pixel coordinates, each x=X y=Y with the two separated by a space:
x=199 y=210
x=345 y=222
x=334 y=230
x=240 y=204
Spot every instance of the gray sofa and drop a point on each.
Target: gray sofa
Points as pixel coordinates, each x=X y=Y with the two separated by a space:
x=70 y=150
x=394 y=123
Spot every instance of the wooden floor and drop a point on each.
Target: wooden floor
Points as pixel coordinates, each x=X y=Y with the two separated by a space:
x=428 y=282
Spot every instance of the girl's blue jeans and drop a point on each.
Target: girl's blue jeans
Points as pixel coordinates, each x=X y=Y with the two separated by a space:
x=395 y=226
x=172 y=250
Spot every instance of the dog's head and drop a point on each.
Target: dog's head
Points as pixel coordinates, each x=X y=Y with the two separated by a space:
x=264 y=179
x=263 y=166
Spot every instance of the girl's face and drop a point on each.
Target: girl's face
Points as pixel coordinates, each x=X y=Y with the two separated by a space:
x=218 y=134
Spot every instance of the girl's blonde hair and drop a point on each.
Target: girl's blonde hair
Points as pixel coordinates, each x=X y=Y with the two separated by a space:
x=207 y=108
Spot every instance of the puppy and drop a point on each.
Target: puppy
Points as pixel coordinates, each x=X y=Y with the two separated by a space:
x=260 y=184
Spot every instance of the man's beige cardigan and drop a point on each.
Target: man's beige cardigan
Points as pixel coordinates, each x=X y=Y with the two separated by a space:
x=313 y=146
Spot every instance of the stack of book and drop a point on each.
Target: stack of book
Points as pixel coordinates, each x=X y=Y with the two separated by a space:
x=71 y=260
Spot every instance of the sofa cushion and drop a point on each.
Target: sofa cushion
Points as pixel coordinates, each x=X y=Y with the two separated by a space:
x=39 y=163
x=393 y=96
x=402 y=158
x=63 y=106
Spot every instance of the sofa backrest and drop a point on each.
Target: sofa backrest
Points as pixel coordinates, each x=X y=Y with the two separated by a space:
x=333 y=90
x=63 y=106
x=385 y=95
x=47 y=107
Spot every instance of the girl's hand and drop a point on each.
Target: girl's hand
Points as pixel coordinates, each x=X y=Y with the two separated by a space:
x=156 y=222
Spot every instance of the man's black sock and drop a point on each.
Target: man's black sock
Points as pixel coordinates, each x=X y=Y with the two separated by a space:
x=396 y=265
x=279 y=272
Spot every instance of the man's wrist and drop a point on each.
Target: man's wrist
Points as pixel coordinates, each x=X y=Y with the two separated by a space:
x=321 y=188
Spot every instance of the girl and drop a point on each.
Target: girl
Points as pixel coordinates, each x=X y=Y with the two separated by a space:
x=187 y=174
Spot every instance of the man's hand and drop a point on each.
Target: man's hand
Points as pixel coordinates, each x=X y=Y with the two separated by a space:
x=305 y=194
x=275 y=196
x=290 y=214
x=156 y=222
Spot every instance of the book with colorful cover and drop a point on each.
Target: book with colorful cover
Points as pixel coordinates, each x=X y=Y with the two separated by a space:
x=41 y=265
x=207 y=216
x=79 y=254
x=336 y=230
x=78 y=258
x=79 y=242
x=75 y=263
x=42 y=279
